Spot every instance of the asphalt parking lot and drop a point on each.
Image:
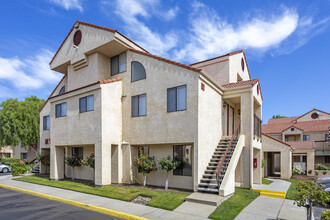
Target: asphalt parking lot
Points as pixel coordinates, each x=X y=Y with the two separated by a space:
x=18 y=205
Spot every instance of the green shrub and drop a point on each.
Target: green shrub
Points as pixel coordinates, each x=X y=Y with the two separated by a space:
x=9 y=161
x=321 y=167
x=316 y=173
x=18 y=168
x=297 y=170
x=325 y=215
x=310 y=171
x=324 y=172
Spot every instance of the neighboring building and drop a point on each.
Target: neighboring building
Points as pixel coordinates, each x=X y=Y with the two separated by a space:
x=115 y=96
x=18 y=151
x=307 y=135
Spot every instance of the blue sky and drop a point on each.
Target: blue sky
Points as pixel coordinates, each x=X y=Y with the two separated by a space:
x=286 y=42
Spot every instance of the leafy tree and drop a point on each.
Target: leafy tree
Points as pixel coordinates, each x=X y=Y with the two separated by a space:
x=90 y=162
x=44 y=159
x=279 y=116
x=73 y=162
x=167 y=164
x=144 y=164
x=309 y=193
x=19 y=122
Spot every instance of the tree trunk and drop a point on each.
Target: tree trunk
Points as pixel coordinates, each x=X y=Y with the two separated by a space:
x=310 y=212
x=145 y=179
x=72 y=173
x=166 y=182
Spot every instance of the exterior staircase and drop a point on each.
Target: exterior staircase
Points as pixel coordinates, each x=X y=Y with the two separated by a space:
x=35 y=169
x=209 y=182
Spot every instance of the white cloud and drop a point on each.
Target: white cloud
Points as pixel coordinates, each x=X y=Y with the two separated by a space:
x=132 y=13
x=210 y=35
x=69 y=4
x=27 y=74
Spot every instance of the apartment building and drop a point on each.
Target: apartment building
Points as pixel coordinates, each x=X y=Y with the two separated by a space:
x=115 y=97
x=18 y=151
x=305 y=136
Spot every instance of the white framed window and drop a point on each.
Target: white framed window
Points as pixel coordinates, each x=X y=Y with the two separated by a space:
x=118 y=64
x=139 y=105
x=86 y=104
x=60 y=110
x=306 y=138
x=177 y=98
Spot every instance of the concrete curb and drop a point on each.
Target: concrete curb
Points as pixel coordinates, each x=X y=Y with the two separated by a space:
x=78 y=204
x=270 y=193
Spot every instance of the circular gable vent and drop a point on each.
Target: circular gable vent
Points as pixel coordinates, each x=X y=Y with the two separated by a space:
x=243 y=64
x=77 y=38
x=292 y=129
x=314 y=115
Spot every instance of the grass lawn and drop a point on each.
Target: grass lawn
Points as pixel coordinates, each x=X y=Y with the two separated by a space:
x=266 y=181
x=160 y=199
x=230 y=208
x=292 y=190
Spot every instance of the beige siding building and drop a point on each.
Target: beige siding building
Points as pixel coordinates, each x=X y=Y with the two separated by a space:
x=115 y=97
x=307 y=135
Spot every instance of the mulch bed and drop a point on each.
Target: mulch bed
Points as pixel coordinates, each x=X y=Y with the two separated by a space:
x=154 y=188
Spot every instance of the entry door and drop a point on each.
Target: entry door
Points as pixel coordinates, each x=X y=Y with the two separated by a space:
x=231 y=121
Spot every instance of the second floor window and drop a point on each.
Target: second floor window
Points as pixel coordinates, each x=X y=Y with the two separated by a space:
x=139 y=105
x=118 y=64
x=138 y=71
x=46 y=122
x=86 y=104
x=60 y=110
x=306 y=137
x=177 y=99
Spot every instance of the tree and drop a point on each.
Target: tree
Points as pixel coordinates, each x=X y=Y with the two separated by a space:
x=73 y=162
x=144 y=164
x=167 y=164
x=20 y=122
x=90 y=162
x=309 y=193
x=279 y=116
x=44 y=159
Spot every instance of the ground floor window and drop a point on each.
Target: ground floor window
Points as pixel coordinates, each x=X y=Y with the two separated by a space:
x=327 y=159
x=183 y=154
x=143 y=150
x=24 y=156
x=77 y=152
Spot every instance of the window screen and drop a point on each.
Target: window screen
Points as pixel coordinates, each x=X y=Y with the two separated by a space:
x=139 y=105
x=46 y=122
x=177 y=99
x=86 y=104
x=60 y=110
x=118 y=64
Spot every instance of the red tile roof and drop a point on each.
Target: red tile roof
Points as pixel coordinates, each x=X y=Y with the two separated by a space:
x=166 y=60
x=95 y=26
x=98 y=82
x=251 y=82
x=302 y=144
x=278 y=140
x=319 y=125
x=281 y=120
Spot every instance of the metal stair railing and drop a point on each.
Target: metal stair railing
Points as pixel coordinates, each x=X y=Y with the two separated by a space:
x=228 y=147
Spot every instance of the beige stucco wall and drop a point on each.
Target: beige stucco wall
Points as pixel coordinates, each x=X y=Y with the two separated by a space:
x=236 y=68
x=270 y=145
x=157 y=178
x=308 y=117
x=310 y=158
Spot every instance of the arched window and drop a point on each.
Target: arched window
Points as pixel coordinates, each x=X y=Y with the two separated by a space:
x=138 y=71
x=62 y=90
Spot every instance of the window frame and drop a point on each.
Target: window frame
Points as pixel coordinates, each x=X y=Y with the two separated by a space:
x=325 y=159
x=86 y=97
x=138 y=107
x=132 y=71
x=43 y=122
x=305 y=137
x=117 y=56
x=176 y=99
x=181 y=166
x=22 y=157
x=60 y=104
x=62 y=90
x=78 y=148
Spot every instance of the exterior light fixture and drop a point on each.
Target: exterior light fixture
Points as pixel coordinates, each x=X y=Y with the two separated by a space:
x=239 y=111
x=124 y=95
x=224 y=104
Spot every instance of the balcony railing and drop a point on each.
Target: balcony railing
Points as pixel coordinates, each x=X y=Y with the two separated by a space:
x=257 y=128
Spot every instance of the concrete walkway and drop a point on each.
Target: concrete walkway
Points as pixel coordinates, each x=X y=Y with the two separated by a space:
x=113 y=204
x=263 y=208
x=276 y=185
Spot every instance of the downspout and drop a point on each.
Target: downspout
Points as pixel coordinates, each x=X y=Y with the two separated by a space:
x=251 y=139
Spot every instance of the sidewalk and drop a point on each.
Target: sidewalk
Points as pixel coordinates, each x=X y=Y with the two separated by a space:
x=107 y=203
x=263 y=208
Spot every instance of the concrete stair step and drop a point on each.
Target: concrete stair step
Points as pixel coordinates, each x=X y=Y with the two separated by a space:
x=210 y=185
x=206 y=198
x=200 y=189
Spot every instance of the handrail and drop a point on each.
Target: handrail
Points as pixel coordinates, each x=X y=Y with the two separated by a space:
x=32 y=161
x=228 y=147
